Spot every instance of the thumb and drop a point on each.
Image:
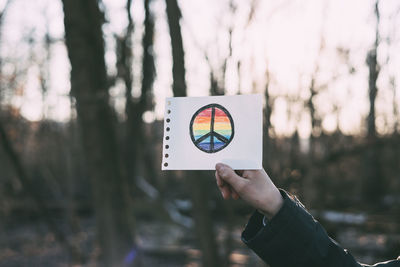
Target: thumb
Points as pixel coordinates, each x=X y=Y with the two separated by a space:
x=228 y=175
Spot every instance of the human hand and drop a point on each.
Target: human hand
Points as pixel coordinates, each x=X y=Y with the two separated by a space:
x=253 y=186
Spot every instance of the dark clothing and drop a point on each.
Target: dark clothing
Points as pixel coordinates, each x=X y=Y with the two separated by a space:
x=294 y=239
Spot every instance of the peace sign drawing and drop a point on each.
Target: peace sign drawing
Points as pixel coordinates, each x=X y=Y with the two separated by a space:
x=211 y=128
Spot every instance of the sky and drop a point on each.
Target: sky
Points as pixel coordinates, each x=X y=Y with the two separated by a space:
x=280 y=37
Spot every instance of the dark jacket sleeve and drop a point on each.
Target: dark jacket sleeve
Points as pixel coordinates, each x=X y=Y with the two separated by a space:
x=293 y=238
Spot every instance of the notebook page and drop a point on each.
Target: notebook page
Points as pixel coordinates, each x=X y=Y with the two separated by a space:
x=202 y=131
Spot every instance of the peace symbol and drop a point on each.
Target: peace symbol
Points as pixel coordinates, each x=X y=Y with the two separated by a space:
x=211 y=128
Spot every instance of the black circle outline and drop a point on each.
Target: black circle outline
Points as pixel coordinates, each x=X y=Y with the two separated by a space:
x=197 y=113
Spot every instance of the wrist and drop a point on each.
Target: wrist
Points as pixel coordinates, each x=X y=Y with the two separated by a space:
x=272 y=204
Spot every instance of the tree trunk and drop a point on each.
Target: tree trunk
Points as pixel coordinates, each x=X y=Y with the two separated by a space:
x=373 y=185
x=203 y=221
x=84 y=40
x=136 y=140
x=372 y=62
x=124 y=72
x=267 y=121
x=178 y=66
x=395 y=108
x=310 y=190
x=143 y=140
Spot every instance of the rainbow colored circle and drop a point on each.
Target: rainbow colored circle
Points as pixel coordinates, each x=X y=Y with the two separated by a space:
x=211 y=128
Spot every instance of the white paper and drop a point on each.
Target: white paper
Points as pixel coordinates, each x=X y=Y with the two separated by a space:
x=240 y=146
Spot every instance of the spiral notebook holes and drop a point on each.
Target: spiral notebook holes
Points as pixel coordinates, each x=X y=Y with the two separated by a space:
x=168 y=120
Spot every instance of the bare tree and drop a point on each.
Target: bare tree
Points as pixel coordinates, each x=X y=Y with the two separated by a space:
x=267 y=111
x=217 y=74
x=373 y=184
x=201 y=210
x=178 y=65
x=2 y=14
x=146 y=98
x=392 y=76
x=135 y=138
x=395 y=107
x=28 y=185
x=89 y=85
x=374 y=68
x=310 y=192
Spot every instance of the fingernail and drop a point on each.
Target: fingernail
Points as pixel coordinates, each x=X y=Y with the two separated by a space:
x=223 y=195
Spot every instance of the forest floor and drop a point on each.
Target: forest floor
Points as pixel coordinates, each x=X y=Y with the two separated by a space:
x=161 y=244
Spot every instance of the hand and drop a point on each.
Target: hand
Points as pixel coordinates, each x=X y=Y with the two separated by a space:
x=253 y=186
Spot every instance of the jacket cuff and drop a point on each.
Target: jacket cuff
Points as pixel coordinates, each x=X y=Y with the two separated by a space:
x=286 y=235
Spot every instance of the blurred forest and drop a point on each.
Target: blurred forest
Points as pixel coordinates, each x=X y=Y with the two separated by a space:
x=82 y=89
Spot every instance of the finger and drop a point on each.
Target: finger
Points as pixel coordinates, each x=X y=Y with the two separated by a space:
x=223 y=187
x=235 y=195
x=233 y=192
x=220 y=182
x=225 y=191
x=229 y=176
x=249 y=174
